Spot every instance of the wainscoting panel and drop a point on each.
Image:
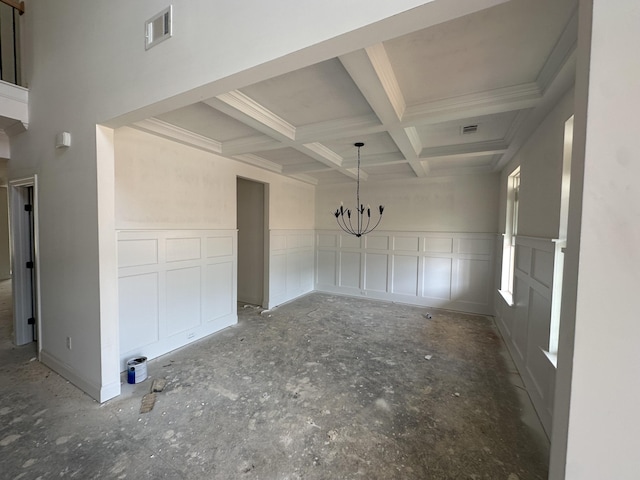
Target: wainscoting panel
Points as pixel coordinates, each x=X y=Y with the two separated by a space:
x=376 y=272
x=525 y=325
x=175 y=287
x=291 y=261
x=446 y=270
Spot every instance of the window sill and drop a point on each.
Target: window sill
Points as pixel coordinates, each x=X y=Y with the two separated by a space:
x=552 y=357
x=507 y=297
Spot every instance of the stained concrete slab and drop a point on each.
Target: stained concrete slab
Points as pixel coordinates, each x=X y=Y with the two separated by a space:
x=326 y=387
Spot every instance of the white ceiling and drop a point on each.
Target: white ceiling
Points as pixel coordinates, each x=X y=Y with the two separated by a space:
x=407 y=99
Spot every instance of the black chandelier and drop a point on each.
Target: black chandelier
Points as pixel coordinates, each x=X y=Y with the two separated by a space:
x=343 y=216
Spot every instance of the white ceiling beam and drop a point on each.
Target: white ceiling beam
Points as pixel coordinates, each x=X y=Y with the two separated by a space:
x=240 y=107
x=322 y=154
x=500 y=100
x=372 y=73
x=359 y=67
x=476 y=149
x=382 y=66
x=243 y=108
x=180 y=135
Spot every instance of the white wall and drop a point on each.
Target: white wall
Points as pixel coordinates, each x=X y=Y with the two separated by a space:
x=161 y=184
x=437 y=269
x=438 y=204
x=85 y=64
x=5 y=253
x=540 y=161
x=525 y=325
x=434 y=246
x=597 y=412
x=177 y=244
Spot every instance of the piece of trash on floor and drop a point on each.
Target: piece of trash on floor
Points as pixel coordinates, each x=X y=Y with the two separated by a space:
x=33 y=359
x=427 y=316
x=428 y=357
x=158 y=385
x=148 y=401
x=455 y=394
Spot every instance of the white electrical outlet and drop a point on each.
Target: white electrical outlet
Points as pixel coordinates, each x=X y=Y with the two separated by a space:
x=69 y=343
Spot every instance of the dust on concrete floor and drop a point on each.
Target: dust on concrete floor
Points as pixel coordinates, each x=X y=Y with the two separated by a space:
x=325 y=387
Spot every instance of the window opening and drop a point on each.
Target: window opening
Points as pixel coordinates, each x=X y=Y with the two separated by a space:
x=511 y=231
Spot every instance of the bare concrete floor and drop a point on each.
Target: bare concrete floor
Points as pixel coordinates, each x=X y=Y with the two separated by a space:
x=326 y=387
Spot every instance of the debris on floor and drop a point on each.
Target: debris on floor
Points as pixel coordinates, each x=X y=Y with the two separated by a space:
x=158 y=385
x=148 y=401
x=428 y=316
x=428 y=357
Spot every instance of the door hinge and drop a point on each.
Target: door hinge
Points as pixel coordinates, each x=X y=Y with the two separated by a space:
x=29 y=264
x=28 y=208
x=31 y=321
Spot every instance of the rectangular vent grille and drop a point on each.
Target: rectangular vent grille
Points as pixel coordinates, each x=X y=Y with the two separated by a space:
x=467 y=129
x=158 y=28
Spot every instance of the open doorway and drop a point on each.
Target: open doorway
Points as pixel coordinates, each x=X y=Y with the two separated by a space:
x=252 y=223
x=23 y=201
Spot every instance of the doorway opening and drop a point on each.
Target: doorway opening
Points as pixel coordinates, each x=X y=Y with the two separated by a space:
x=252 y=222
x=23 y=201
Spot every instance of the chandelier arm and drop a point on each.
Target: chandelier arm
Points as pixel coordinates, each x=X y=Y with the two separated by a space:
x=344 y=225
x=365 y=228
x=343 y=229
x=353 y=230
x=347 y=228
x=374 y=227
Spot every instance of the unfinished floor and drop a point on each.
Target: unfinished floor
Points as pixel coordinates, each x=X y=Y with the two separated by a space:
x=326 y=387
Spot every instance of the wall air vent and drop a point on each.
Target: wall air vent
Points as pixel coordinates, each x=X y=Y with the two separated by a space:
x=158 y=28
x=468 y=129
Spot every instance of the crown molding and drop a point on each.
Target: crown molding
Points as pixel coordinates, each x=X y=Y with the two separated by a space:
x=172 y=132
x=255 y=111
x=475 y=104
x=324 y=154
x=476 y=149
x=260 y=162
x=562 y=51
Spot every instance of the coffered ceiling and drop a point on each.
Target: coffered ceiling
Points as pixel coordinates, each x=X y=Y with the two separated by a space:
x=408 y=99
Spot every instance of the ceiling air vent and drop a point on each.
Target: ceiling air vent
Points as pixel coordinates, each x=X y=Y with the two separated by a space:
x=468 y=129
x=158 y=28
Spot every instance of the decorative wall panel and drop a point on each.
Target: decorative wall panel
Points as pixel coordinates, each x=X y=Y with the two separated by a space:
x=291 y=264
x=447 y=270
x=525 y=325
x=175 y=287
